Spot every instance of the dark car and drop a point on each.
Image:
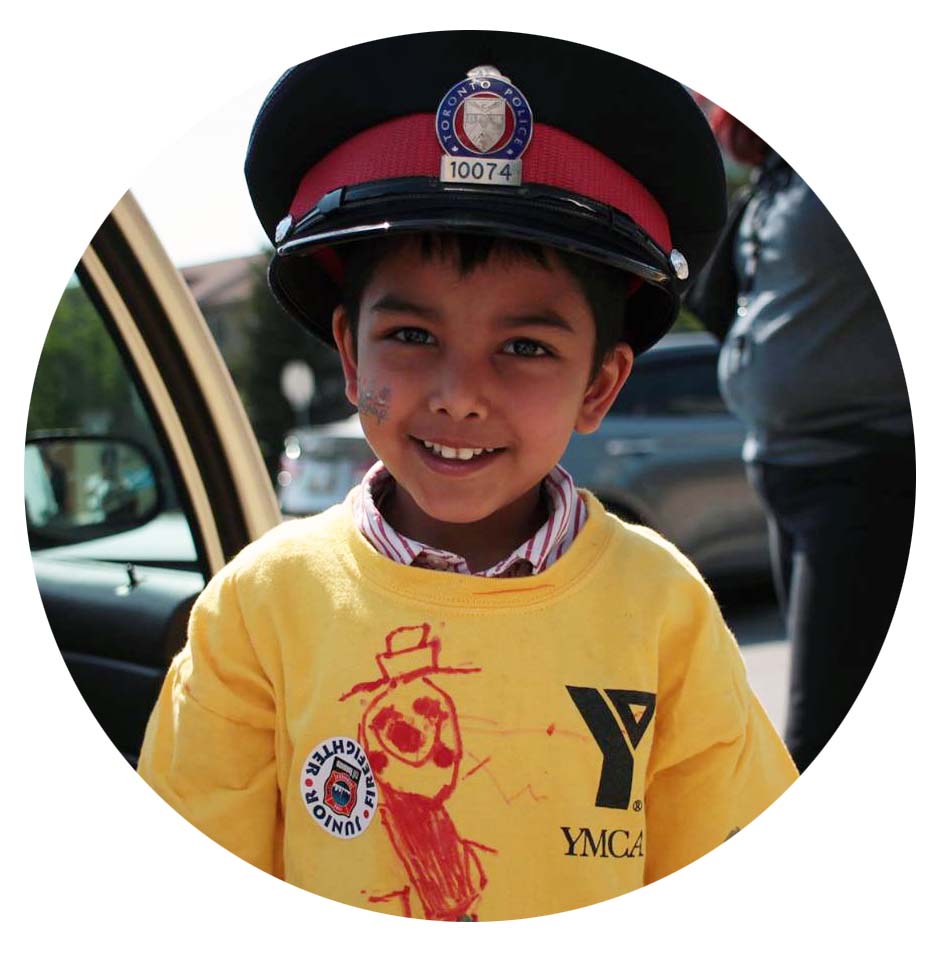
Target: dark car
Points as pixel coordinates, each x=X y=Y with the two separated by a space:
x=669 y=455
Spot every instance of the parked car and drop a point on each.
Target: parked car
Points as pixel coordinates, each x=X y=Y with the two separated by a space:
x=321 y=464
x=668 y=455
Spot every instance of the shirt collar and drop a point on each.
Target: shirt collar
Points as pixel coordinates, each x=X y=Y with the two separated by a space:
x=567 y=514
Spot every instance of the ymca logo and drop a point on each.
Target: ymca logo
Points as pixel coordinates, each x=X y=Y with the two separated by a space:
x=635 y=709
x=617 y=844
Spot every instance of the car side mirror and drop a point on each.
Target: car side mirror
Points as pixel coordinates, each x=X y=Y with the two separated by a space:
x=80 y=488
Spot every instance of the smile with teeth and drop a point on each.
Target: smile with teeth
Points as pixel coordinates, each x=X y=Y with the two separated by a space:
x=456 y=453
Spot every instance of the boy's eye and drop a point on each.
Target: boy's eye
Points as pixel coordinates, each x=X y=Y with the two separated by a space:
x=412 y=335
x=525 y=348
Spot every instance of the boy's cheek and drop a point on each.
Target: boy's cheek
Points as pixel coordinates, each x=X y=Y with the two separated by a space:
x=548 y=418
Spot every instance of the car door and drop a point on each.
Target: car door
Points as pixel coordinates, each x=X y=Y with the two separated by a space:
x=118 y=603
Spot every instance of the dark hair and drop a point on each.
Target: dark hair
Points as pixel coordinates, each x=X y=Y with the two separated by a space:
x=605 y=288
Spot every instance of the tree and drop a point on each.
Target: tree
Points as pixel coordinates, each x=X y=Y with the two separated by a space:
x=80 y=382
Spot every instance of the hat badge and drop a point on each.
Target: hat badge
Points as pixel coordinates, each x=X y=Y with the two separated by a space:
x=484 y=125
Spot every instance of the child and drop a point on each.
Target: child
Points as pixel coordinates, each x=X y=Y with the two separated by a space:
x=540 y=705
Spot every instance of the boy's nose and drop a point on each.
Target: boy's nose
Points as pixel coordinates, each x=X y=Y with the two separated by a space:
x=459 y=392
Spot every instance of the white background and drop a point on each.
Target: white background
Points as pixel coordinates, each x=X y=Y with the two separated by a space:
x=93 y=862
x=194 y=192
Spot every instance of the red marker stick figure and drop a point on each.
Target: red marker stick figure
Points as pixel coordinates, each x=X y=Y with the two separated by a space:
x=410 y=732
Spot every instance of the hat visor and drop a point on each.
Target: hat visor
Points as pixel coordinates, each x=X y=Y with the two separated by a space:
x=542 y=215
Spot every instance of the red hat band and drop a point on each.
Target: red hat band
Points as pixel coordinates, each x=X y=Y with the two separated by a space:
x=408 y=147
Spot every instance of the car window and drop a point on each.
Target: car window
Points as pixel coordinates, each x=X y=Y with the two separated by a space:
x=672 y=386
x=83 y=389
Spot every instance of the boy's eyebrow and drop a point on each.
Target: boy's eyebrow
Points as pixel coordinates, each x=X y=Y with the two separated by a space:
x=392 y=303
x=545 y=318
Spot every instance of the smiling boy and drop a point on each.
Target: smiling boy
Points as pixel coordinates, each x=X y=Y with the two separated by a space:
x=468 y=692
x=485 y=373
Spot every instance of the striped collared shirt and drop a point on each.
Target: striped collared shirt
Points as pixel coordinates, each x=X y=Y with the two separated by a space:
x=567 y=515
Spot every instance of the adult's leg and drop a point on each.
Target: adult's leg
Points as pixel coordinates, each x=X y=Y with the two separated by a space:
x=780 y=541
x=851 y=526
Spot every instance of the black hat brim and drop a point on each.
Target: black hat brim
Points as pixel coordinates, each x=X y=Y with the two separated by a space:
x=538 y=215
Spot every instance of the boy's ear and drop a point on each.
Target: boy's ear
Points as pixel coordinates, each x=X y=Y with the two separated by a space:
x=604 y=388
x=343 y=335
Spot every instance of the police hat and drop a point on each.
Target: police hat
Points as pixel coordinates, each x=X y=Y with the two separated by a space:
x=485 y=132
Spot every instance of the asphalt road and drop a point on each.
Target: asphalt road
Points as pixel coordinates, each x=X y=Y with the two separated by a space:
x=756 y=622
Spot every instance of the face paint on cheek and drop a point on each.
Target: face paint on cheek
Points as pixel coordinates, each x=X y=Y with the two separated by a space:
x=374 y=400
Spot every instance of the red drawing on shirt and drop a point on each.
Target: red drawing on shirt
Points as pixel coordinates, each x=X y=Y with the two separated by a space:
x=411 y=735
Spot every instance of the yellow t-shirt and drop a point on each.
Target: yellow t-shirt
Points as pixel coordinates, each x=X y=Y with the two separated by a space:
x=456 y=747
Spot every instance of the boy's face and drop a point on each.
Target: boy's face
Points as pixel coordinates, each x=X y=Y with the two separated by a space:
x=497 y=360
